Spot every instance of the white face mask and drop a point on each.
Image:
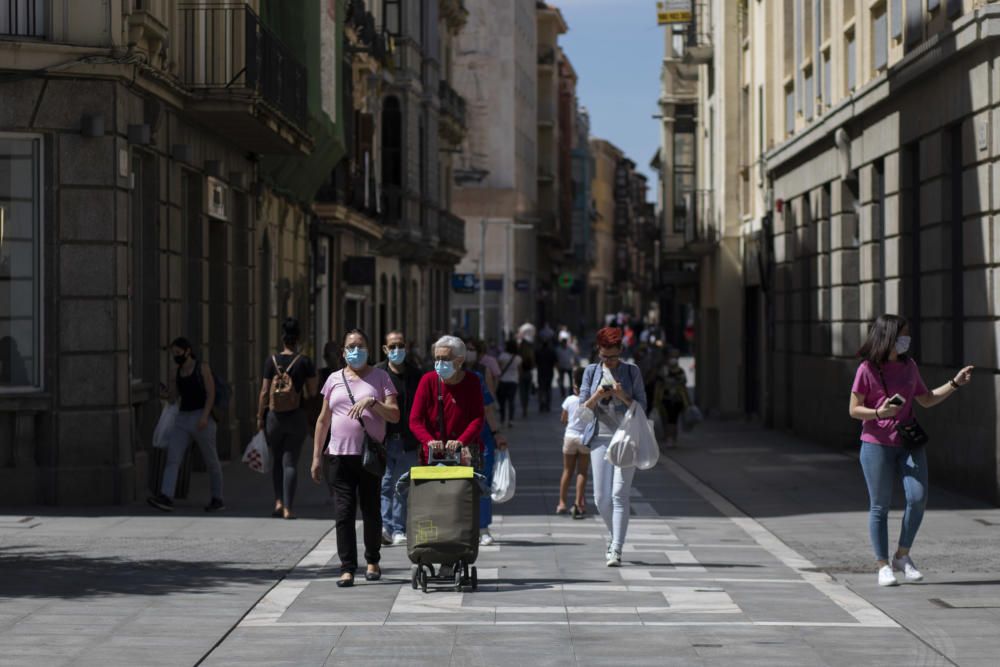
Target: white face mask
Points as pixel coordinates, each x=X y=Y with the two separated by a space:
x=902 y=344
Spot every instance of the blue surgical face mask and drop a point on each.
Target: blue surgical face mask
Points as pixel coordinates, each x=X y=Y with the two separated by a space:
x=397 y=356
x=356 y=357
x=445 y=369
x=902 y=344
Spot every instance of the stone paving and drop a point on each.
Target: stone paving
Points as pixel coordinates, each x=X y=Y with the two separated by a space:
x=732 y=570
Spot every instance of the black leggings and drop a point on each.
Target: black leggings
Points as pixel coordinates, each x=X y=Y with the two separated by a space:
x=352 y=486
x=285 y=434
x=506 y=395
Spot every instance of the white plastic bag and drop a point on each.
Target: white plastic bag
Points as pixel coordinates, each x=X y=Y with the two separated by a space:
x=634 y=443
x=504 y=478
x=257 y=457
x=165 y=424
x=691 y=417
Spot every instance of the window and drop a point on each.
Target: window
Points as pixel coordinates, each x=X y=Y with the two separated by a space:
x=789 y=109
x=23 y=18
x=880 y=39
x=851 y=61
x=825 y=20
x=808 y=94
x=933 y=5
x=20 y=262
x=684 y=165
x=896 y=19
x=391 y=16
x=954 y=8
x=826 y=73
x=914 y=21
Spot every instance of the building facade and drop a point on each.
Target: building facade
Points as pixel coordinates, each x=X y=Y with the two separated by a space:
x=138 y=205
x=865 y=141
x=496 y=177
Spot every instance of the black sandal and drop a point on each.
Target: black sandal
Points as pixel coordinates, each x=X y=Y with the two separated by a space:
x=345 y=583
x=373 y=576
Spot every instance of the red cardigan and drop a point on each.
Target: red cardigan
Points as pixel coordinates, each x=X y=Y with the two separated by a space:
x=463 y=411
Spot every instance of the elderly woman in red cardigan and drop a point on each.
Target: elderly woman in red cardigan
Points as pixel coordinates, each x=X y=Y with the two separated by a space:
x=461 y=395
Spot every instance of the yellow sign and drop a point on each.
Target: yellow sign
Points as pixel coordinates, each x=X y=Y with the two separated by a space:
x=441 y=472
x=673 y=11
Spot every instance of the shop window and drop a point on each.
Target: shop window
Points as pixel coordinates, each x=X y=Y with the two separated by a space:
x=20 y=262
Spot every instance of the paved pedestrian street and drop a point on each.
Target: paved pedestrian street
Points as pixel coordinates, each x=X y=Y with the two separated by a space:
x=702 y=583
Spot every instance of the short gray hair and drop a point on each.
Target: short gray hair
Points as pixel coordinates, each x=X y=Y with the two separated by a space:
x=453 y=343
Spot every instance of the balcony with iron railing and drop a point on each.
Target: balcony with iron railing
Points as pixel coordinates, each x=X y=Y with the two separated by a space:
x=24 y=19
x=453 y=113
x=451 y=233
x=249 y=85
x=701 y=226
x=691 y=43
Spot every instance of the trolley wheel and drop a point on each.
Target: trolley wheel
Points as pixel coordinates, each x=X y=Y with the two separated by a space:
x=475 y=578
x=415 y=577
x=423 y=580
x=458 y=578
x=465 y=571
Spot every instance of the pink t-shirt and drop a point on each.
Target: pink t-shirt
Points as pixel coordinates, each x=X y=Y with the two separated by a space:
x=346 y=434
x=901 y=377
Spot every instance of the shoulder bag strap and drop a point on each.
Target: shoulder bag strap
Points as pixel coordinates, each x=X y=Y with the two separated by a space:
x=350 y=394
x=274 y=360
x=293 y=362
x=509 y=362
x=441 y=431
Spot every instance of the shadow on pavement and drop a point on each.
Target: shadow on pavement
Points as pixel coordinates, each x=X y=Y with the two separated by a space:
x=27 y=573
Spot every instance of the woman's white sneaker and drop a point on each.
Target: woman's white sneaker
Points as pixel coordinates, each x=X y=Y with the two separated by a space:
x=886 y=577
x=485 y=539
x=614 y=558
x=906 y=566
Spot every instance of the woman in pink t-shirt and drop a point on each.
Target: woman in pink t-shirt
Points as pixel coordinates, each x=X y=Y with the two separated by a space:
x=357 y=399
x=885 y=387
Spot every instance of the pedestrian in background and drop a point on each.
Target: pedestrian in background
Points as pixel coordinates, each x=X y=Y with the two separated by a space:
x=546 y=361
x=289 y=379
x=400 y=444
x=566 y=361
x=886 y=385
x=670 y=396
x=576 y=455
x=478 y=361
x=360 y=400
x=607 y=389
x=194 y=386
x=492 y=440
x=510 y=373
x=526 y=380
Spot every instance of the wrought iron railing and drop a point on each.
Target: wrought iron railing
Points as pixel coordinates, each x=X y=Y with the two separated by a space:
x=227 y=49
x=452 y=104
x=24 y=18
x=698 y=211
x=451 y=231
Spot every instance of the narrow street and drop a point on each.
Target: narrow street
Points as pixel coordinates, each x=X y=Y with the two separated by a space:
x=746 y=547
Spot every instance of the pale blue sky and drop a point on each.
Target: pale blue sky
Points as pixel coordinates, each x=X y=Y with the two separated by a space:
x=616 y=48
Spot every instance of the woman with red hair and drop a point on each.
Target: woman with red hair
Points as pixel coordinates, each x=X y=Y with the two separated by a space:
x=608 y=388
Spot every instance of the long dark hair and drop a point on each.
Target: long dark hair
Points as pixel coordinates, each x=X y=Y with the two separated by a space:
x=882 y=337
x=291 y=332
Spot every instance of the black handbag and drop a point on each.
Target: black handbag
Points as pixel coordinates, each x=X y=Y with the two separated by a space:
x=911 y=433
x=373 y=454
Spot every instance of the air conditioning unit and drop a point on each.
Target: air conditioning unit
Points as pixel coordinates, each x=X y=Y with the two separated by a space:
x=216 y=198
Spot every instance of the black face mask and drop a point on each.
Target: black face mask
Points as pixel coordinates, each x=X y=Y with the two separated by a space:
x=180 y=359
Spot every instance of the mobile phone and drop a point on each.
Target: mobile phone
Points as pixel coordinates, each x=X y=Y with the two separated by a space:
x=607 y=387
x=896 y=400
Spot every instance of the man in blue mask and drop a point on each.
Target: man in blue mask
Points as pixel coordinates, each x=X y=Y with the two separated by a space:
x=401 y=446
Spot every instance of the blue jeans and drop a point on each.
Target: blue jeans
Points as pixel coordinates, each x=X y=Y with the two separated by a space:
x=185 y=430
x=612 y=486
x=398 y=461
x=489 y=457
x=882 y=465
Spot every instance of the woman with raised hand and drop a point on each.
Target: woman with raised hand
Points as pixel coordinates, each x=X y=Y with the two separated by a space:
x=886 y=386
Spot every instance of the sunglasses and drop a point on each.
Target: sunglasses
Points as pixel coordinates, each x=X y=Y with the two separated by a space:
x=396 y=346
x=612 y=357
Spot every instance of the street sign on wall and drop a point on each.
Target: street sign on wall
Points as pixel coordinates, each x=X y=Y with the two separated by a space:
x=673 y=11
